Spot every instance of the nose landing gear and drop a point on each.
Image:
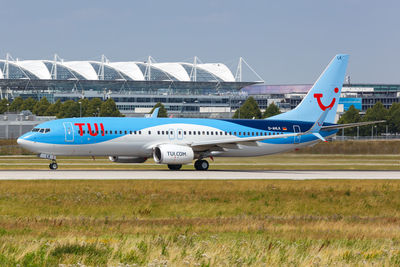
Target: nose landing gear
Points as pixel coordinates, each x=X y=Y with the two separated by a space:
x=53 y=166
x=201 y=165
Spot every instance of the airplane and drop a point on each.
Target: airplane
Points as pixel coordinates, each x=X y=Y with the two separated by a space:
x=178 y=141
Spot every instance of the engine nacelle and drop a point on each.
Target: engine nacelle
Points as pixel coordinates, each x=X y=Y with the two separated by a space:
x=124 y=159
x=173 y=154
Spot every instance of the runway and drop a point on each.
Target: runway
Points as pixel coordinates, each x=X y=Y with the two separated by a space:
x=192 y=175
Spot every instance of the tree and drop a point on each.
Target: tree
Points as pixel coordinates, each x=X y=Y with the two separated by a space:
x=393 y=118
x=93 y=107
x=29 y=104
x=17 y=104
x=53 y=109
x=3 y=105
x=162 y=113
x=248 y=110
x=376 y=113
x=352 y=115
x=271 y=110
x=69 y=109
x=109 y=109
x=41 y=107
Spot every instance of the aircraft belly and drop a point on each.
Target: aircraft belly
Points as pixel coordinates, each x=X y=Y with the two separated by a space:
x=261 y=150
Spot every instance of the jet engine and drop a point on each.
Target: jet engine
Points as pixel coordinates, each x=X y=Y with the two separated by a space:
x=173 y=154
x=124 y=159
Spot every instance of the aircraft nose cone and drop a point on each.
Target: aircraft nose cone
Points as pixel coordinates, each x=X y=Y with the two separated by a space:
x=25 y=142
x=22 y=142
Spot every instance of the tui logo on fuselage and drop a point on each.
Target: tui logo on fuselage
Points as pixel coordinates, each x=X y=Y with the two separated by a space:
x=92 y=133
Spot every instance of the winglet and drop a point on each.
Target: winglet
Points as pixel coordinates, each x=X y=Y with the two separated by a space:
x=318 y=124
x=319 y=136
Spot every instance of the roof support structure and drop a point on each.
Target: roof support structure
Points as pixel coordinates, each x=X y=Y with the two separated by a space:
x=239 y=71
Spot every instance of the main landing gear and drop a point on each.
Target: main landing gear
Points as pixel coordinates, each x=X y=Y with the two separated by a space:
x=53 y=165
x=201 y=165
x=174 y=167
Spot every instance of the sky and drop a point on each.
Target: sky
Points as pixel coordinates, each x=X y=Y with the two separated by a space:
x=285 y=41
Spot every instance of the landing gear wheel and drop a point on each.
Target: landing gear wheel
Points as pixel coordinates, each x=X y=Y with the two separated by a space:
x=53 y=166
x=201 y=165
x=174 y=167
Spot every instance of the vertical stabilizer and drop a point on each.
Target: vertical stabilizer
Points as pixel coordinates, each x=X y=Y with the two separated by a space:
x=324 y=94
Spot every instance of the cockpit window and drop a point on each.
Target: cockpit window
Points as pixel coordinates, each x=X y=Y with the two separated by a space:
x=41 y=130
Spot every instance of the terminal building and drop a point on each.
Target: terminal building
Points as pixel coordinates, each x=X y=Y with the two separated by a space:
x=187 y=89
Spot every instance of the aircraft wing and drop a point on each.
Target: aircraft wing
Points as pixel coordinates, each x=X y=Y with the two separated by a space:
x=348 y=125
x=244 y=140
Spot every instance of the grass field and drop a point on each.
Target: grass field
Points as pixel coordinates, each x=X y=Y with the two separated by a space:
x=200 y=223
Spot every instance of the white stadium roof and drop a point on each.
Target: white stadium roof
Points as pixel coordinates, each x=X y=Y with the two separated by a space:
x=130 y=70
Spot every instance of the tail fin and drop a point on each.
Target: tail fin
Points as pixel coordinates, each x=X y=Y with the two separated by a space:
x=324 y=94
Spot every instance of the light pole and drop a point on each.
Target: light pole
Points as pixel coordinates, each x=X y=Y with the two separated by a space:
x=358 y=131
x=98 y=112
x=240 y=104
x=8 y=107
x=80 y=109
x=183 y=105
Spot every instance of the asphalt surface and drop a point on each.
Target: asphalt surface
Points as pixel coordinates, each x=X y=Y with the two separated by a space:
x=192 y=175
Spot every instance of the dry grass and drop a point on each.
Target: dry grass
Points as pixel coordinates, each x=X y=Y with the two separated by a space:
x=200 y=222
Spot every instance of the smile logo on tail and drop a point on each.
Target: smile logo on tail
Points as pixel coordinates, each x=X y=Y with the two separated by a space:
x=322 y=106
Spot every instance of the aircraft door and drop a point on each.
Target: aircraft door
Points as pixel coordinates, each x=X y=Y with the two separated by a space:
x=171 y=134
x=180 y=134
x=69 y=132
x=296 y=129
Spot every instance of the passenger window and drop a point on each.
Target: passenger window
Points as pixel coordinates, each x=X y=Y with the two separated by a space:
x=140 y=132
x=130 y=132
x=125 y=132
x=208 y=133
x=79 y=131
x=134 y=132
x=116 y=132
x=120 y=132
x=198 y=132
x=190 y=132
x=194 y=132
x=212 y=133
x=184 y=132
x=204 y=133
x=230 y=133
x=226 y=133
x=149 y=132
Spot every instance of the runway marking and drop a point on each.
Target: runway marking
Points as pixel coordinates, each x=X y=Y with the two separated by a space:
x=193 y=175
